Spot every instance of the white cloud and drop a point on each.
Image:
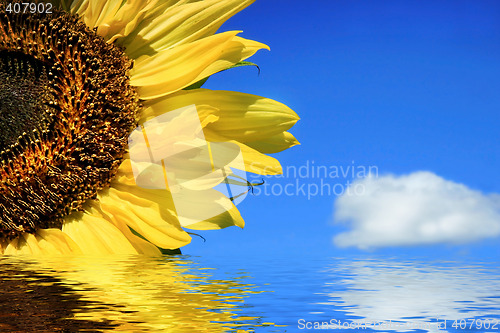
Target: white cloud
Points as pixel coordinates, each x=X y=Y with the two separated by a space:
x=419 y=208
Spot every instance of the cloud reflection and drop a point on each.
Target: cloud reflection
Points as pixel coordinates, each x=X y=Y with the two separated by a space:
x=414 y=292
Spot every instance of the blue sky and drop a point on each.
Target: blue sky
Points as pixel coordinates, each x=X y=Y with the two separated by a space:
x=403 y=86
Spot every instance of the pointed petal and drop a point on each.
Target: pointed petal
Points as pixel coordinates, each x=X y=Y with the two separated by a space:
x=236 y=116
x=245 y=117
x=255 y=161
x=176 y=68
x=179 y=23
x=274 y=144
x=259 y=163
x=232 y=217
x=206 y=210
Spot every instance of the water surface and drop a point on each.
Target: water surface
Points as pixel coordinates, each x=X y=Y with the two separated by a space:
x=234 y=294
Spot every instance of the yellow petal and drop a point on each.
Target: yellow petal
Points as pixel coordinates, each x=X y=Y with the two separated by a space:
x=274 y=144
x=179 y=23
x=236 y=116
x=158 y=106
x=244 y=117
x=232 y=217
x=96 y=12
x=192 y=207
x=141 y=245
x=254 y=161
x=125 y=175
x=30 y=243
x=148 y=212
x=44 y=242
x=183 y=63
x=206 y=209
x=54 y=241
x=238 y=50
x=176 y=68
x=73 y=6
x=96 y=236
x=257 y=162
x=125 y=19
x=224 y=104
x=11 y=247
x=18 y=246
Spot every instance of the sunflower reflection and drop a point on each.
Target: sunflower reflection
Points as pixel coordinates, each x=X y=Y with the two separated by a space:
x=135 y=294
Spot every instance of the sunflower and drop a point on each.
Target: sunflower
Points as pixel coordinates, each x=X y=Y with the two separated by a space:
x=78 y=79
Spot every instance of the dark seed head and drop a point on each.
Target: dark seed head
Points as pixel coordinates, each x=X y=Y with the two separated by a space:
x=66 y=110
x=26 y=102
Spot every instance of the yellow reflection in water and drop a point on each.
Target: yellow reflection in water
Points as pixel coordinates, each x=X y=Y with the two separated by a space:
x=136 y=294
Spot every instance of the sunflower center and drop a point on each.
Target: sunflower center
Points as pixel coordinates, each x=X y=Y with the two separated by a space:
x=24 y=97
x=66 y=111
